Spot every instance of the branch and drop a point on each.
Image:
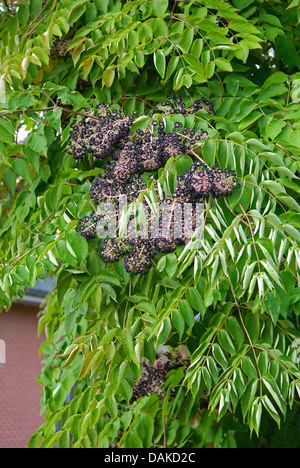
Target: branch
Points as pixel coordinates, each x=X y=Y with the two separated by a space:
x=55 y=106
x=6 y=5
x=94 y=117
x=193 y=153
x=28 y=110
x=34 y=27
x=24 y=255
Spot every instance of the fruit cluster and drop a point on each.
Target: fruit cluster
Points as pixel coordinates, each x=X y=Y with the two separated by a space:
x=106 y=135
x=60 y=47
x=154 y=377
x=99 y=134
x=201 y=181
x=179 y=107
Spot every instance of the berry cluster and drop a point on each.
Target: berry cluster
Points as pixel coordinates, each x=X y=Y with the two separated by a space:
x=107 y=135
x=150 y=151
x=99 y=134
x=106 y=189
x=60 y=47
x=154 y=377
x=179 y=107
x=201 y=181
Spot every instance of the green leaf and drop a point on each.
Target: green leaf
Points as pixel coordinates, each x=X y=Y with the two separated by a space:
x=249 y=368
x=62 y=249
x=22 y=168
x=110 y=291
x=220 y=356
x=195 y=300
x=11 y=178
x=255 y=417
x=195 y=66
x=107 y=277
x=263 y=362
x=178 y=322
x=147 y=306
x=223 y=64
x=253 y=325
x=97 y=298
x=76 y=12
x=109 y=76
x=183 y=164
x=273 y=157
x=273 y=186
x=87 y=66
x=7 y=125
x=144 y=426
x=44 y=58
x=23 y=13
x=273 y=304
x=178 y=79
x=233 y=327
x=13 y=101
x=131 y=440
x=161 y=263
x=226 y=342
x=172 y=66
x=149 y=351
x=78 y=243
x=187 y=313
x=102 y=5
x=271 y=409
x=35 y=7
x=159 y=7
x=290 y=202
x=164 y=331
x=293 y=4
x=171 y=264
x=275 y=392
x=292 y=231
x=77 y=51
x=186 y=39
x=248 y=396
x=275 y=127
x=38 y=143
x=32 y=157
x=71 y=357
x=54 y=118
x=160 y=62
x=25 y=100
x=90 y=361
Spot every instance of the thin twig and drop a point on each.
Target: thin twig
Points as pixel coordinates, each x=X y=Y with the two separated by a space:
x=37 y=17
x=193 y=153
x=6 y=5
x=48 y=217
x=24 y=255
x=43 y=92
x=20 y=111
x=252 y=346
x=34 y=27
x=252 y=235
x=80 y=113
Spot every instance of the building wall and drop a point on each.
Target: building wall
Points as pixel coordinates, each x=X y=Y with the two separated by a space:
x=20 y=393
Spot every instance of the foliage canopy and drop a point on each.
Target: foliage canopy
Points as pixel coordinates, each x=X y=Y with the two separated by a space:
x=233 y=303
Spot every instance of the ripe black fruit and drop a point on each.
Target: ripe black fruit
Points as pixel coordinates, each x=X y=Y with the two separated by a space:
x=105 y=134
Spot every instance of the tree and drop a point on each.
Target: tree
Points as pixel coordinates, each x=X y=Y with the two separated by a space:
x=232 y=303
